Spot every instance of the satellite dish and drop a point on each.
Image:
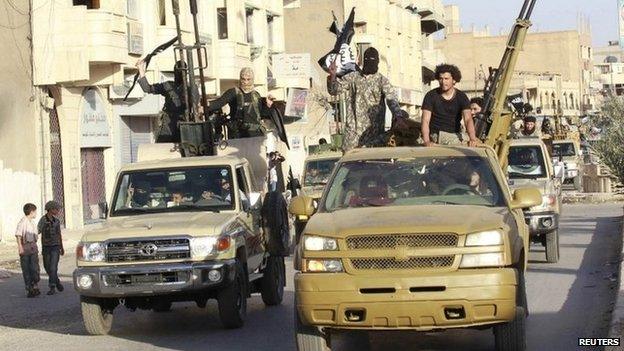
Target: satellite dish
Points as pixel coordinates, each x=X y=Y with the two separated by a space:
x=611 y=59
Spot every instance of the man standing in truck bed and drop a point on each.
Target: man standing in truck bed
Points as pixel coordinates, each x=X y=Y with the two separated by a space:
x=443 y=109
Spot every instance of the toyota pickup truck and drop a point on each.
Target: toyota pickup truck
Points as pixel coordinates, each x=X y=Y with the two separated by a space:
x=185 y=229
x=413 y=239
x=529 y=164
x=569 y=151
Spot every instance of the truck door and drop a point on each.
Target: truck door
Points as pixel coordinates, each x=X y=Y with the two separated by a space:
x=251 y=221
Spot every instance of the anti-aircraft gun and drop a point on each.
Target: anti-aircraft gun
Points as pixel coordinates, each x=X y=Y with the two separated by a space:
x=493 y=124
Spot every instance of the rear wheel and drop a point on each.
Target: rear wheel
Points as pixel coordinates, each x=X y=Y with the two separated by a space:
x=97 y=319
x=552 y=246
x=233 y=300
x=309 y=338
x=273 y=281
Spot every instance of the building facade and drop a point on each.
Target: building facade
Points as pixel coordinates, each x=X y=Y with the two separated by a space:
x=609 y=70
x=566 y=55
x=73 y=123
x=399 y=30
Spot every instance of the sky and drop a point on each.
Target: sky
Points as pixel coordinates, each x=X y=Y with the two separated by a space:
x=549 y=15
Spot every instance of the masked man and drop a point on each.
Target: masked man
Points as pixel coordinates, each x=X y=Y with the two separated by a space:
x=365 y=94
x=247 y=107
x=173 y=110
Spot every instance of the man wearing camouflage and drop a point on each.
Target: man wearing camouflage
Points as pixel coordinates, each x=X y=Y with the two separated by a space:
x=365 y=93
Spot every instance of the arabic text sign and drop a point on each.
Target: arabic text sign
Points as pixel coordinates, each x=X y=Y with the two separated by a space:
x=94 y=128
x=291 y=66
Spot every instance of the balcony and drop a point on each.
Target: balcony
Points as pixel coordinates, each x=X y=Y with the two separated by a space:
x=232 y=56
x=107 y=39
x=432 y=14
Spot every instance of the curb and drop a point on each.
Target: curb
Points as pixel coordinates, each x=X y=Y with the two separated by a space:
x=617 y=315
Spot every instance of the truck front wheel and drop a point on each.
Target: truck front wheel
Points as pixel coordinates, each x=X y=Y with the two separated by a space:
x=97 y=318
x=309 y=338
x=233 y=300
x=552 y=246
x=273 y=281
x=511 y=336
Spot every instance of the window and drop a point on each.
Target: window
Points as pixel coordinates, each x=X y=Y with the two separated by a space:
x=222 y=22
x=526 y=162
x=270 y=24
x=242 y=186
x=90 y=4
x=162 y=13
x=132 y=9
x=249 y=24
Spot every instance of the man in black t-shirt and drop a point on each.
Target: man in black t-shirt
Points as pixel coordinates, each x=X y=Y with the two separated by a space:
x=443 y=109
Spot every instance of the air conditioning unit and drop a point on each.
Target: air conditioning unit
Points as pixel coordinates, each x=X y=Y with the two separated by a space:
x=117 y=92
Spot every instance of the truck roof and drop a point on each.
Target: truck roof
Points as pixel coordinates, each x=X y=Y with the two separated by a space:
x=410 y=152
x=324 y=156
x=185 y=162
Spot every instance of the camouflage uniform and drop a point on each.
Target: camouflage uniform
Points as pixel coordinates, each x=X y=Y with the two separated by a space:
x=365 y=118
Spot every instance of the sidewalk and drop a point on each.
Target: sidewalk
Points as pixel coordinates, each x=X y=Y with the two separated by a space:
x=573 y=197
x=617 y=316
x=9 y=259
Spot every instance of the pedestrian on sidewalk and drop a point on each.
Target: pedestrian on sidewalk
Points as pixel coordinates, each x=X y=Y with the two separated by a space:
x=51 y=244
x=26 y=235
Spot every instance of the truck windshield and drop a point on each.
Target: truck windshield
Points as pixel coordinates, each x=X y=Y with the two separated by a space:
x=318 y=172
x=563 y=149
x=419 y=181
x=526 y=162
x=170 y=190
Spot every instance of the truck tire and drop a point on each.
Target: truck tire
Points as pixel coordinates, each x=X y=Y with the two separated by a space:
x=232 y=300
x=511 y=336
x=552 y=247
x=96 y=320
x=309 y=338
x=273 y=281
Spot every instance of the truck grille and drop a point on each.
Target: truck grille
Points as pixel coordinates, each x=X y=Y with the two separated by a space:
x=388 y=263
x=373 y=242
x=148 y=250
x=146 y=279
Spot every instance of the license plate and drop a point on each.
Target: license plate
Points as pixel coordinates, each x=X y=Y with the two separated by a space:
x=143 y=279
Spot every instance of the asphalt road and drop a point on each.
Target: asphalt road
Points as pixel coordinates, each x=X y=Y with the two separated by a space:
x=567 y=300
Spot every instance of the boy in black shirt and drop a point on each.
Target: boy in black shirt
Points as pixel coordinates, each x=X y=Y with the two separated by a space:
x=443 y=109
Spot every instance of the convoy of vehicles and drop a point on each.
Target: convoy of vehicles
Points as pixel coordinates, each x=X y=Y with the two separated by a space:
x=530 y=165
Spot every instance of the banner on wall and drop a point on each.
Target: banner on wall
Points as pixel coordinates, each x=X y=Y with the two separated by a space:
x=94 y=127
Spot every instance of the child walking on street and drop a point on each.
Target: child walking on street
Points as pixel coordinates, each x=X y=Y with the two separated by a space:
x=26 y=235
x=51 y=244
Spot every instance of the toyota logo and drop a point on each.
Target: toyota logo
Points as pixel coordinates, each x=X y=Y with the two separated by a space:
x=148 y=250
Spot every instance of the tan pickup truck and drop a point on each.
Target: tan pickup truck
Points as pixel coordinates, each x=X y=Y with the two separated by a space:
x=414 y=239
x=185 y=229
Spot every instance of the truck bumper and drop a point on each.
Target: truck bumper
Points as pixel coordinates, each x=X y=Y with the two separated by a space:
x=542 y=223
x=478 y=297
x=152 y=280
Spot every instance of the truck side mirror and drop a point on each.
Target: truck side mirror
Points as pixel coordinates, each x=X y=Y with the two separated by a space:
x=301 y=206
x=103 y=209
x=525 y=198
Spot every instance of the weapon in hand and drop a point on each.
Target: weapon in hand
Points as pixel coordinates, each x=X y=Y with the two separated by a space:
x=147 y=60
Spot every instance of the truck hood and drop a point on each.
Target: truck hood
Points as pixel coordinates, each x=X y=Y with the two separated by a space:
x=161 y=224
x=458 y=219
x=541 y=184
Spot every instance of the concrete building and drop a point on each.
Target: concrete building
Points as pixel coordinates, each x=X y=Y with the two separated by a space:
x=609 y=70
x=399 y=30
x=67 y=110
x=20 y=122
x=565 y=54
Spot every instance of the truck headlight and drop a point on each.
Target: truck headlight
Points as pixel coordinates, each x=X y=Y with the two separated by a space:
x=494 y=259
x=317 y=243
x=320 y=265
x=91 y=252
x=548 y=203
x=486 y=238
x=203 y=247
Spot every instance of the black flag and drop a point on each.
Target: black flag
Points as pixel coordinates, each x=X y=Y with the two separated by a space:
x=341 y=53
x=147 y=60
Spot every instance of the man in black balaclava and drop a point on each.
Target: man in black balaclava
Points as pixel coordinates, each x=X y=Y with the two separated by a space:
x=365 y=91
x=173 y=110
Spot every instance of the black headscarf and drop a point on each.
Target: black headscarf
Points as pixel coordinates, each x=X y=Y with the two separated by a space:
x=371 y=61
